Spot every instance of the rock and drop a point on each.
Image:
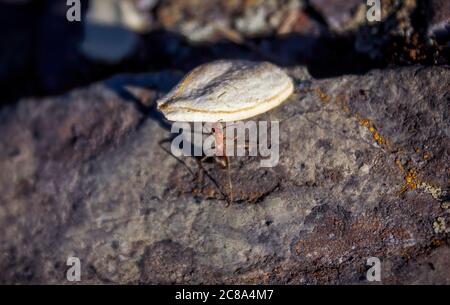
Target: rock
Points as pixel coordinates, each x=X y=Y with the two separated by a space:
x=403 y=36
x=108 y=22
x=337 y=14
x=201 y=21
x=439 y=23
x=85 y=175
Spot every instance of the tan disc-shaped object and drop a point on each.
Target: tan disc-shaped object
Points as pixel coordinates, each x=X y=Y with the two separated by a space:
x=226 y=90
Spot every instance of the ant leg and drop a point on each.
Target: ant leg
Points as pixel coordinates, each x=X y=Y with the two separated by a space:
x=199 y=162
x=227 y=160
x=221 y=161
x=203 y=170
x=176 y=158
x=204 y=158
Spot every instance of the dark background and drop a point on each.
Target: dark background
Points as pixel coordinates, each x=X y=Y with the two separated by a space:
x=39 y=48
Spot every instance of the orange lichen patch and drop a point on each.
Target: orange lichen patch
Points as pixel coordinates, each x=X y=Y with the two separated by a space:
x=410 y=175
x=376 y=135
x=437 y=242
x=378 y=138
x=346 y=109
x=322 y=95
x=341 y=101
x=400 y=165
x=412 y=182
x=406 y=255
x=364 y=122
x=411 y=179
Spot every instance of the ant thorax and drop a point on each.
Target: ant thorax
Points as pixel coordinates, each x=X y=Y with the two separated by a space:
x=230 y=139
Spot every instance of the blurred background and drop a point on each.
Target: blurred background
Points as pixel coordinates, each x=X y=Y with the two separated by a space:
x=42 y=53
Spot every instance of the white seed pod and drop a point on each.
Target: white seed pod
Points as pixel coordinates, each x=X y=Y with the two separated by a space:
x=226 y=90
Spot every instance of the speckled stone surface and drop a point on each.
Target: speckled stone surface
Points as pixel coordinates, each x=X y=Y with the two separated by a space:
x=361 y=162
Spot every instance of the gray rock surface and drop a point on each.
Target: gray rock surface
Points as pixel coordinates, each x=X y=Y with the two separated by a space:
x=439 y=24
x=363 y=172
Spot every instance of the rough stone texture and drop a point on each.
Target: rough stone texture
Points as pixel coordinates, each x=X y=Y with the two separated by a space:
x=363 y=172
x=439 y=25
x=338 y=14
x=199 y=21
x=440 y=14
